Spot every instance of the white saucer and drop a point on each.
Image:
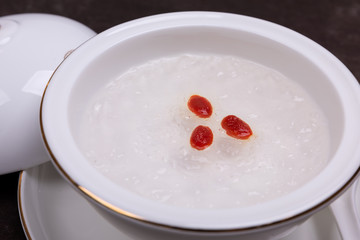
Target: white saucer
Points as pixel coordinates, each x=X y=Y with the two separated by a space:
x=51 y=209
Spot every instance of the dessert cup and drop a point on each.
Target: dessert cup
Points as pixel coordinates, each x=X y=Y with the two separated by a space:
x=113 y=51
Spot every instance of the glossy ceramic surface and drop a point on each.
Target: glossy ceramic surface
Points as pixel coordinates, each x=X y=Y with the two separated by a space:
x=31 y=47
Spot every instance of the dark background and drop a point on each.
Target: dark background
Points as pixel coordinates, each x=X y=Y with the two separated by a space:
x=333 y=24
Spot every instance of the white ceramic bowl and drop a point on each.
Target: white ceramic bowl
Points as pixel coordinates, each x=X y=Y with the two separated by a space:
x=110 y=53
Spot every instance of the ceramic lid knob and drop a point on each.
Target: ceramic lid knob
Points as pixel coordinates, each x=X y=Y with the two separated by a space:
x=31 y=47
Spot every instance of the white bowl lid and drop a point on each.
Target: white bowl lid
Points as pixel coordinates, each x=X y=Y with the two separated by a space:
x=31 y=47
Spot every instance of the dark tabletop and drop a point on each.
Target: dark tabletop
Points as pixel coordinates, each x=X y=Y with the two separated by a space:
x=333 y=24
